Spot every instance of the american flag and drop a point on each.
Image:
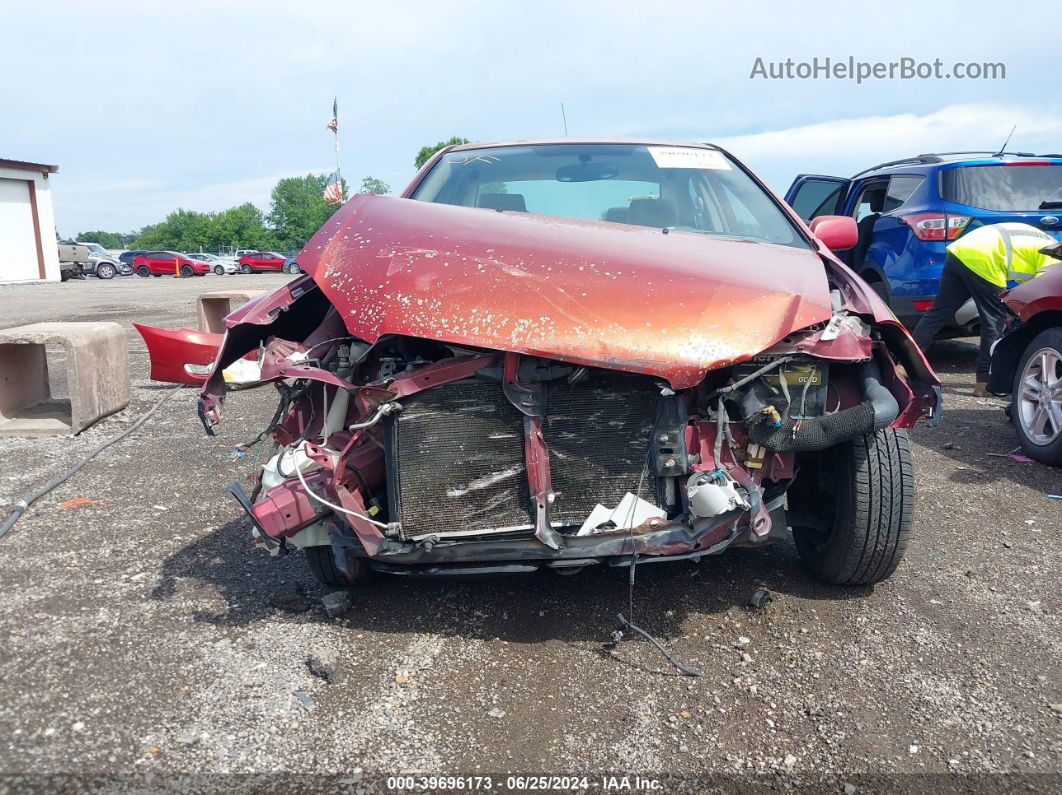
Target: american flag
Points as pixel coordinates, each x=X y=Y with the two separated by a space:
x=333 y=192
x=334 y=124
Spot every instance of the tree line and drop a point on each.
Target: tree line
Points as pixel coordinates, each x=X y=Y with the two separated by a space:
x=297 y=210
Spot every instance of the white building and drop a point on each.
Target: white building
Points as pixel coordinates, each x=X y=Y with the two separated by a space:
x=28 y=248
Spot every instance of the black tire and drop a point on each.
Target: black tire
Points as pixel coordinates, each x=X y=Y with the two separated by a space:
x=1049 y=452
x=186 y=271
x=219 y=270
x=867 y=488
x=105 y=271
x=245 y=269
x=64 y=276
x=284 y=268
x=143 y=270
x=322 y=563
x=294 y=268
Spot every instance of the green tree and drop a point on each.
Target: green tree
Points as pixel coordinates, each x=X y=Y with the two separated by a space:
x=241 y=227
x=183 y=230
x=426 y=152
x=105 y=239
x=374 y=185
x=299 y=209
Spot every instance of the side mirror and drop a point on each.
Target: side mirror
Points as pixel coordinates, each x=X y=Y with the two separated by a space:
x=837 y=232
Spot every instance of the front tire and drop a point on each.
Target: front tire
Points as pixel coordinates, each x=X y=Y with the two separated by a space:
x=105 y=271
x=144 y=271
x=1036 y=398
x=187 y=272
x=245 y=269
x=220 y=271
x=863 y=499
x=322 y=563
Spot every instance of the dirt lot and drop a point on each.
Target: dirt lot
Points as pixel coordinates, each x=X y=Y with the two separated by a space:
x=142 y=635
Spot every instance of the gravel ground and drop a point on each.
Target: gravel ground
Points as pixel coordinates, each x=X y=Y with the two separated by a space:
x=142 y=637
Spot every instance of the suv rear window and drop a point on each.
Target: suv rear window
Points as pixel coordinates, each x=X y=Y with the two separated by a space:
x=1002 y=187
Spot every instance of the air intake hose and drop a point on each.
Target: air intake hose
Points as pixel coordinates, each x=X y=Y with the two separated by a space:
x=817 y=433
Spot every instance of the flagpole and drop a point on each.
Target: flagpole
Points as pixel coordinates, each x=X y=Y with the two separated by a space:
x=342 y=192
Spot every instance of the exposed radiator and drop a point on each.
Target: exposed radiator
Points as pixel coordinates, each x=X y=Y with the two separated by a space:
x=598 y=438
x=456 y=454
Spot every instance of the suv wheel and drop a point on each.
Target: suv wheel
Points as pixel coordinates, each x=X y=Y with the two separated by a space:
x=105 y=271
x=245 y=269
x=186 y=271
x=1036 y=399
x=322 y=563
x=862 y=501
x=143 y=271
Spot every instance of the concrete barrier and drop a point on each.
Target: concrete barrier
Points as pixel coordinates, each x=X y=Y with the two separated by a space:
x=97 y=377
x=212 y=307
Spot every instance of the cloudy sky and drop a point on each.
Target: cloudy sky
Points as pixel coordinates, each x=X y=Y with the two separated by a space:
x=148 y=106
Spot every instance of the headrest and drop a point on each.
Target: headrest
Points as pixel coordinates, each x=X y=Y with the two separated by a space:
x=652 y=212
x=502 y=201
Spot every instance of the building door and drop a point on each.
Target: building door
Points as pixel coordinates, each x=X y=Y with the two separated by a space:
x=19 y=258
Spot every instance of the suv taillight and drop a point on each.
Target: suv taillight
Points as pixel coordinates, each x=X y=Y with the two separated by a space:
x=936 y=226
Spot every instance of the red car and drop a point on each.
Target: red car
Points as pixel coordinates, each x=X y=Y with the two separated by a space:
x=562 y=354
x=262 y=262
x=158 y=263
x=1027 y=364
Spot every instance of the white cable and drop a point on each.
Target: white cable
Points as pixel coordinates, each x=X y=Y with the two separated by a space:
x=341 y=509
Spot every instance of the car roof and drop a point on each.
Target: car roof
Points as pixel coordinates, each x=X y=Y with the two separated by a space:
x=932 y=160
x=582 y=142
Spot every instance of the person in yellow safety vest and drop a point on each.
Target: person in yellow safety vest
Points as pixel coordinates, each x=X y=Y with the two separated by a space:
x=979 y=265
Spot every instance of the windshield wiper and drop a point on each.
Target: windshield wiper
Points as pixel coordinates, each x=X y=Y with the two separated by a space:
x=1051 y=205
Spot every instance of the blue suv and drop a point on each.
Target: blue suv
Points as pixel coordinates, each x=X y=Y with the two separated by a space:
x=909 y=210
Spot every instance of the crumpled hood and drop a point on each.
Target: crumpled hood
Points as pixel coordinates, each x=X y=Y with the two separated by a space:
x=630 y=298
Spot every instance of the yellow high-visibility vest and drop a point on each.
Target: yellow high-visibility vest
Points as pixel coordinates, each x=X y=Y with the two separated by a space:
x=1001 y=253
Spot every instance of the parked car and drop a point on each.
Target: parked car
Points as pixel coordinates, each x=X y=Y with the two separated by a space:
x=220 y=265
x=262 y=262
x=909 y=210
x=160 y=263
x=103 y=264
x=127 y=257
x=565 y=354
x=1027 y=364
x=290 y=266
x=78 y=260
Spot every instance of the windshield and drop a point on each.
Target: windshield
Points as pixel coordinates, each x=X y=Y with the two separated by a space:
x=689 y=188
x=1003 y=187
x=95 y=248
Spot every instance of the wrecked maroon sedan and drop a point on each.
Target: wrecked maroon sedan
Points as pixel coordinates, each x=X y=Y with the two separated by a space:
x=566 y=354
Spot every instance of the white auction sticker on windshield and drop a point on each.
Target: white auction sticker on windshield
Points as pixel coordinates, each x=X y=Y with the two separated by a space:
x=688 y=157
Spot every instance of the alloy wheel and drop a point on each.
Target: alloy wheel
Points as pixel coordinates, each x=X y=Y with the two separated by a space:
x=1040 y=401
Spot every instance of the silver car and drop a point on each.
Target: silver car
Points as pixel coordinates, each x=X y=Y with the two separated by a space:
x=220 y=265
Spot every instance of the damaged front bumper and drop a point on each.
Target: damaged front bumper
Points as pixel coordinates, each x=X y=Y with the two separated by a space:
x=419 y=456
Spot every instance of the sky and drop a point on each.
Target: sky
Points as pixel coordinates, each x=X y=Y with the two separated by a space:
x=149 y=106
